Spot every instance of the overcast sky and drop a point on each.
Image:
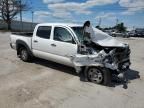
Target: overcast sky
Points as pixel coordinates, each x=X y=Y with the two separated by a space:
x=131 y=12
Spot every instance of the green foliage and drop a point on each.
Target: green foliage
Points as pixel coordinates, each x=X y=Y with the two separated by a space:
x=120 y=27
x=98 y=27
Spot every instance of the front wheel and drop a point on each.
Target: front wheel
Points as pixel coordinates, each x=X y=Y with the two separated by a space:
x=99 y=75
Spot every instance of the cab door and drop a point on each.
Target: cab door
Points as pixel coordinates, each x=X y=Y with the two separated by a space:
x=63 y=45
x=41 y=42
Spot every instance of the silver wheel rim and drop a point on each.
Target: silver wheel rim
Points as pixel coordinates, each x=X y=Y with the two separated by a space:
x=95 y=75
x=24 y=54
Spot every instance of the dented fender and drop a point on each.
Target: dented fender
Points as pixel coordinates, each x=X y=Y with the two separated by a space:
x=80 y=60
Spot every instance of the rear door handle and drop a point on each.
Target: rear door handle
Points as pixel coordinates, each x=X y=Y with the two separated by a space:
x=71 y=56
x=54 y=45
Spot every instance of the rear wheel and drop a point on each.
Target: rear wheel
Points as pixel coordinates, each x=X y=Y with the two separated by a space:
x=99 y=75
x=24 y=55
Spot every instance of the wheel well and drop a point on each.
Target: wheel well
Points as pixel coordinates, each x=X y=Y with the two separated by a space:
x=21 y=44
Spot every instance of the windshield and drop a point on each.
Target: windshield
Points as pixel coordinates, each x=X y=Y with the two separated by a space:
x=96 y=34
x=79 y=32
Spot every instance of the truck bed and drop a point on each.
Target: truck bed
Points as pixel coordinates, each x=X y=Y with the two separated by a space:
x=25 y=37
x=26 y=34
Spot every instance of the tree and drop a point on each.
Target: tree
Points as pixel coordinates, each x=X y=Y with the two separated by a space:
x=98 y=27
x=9 y=9
x=120 y=27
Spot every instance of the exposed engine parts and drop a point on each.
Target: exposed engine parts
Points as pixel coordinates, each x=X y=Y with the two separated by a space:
x=114 y=58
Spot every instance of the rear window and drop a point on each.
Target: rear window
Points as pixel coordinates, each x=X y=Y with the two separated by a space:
x=44 y=32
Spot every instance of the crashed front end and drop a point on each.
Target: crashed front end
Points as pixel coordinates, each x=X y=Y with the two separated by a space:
x=105 y=51
x=116 y=59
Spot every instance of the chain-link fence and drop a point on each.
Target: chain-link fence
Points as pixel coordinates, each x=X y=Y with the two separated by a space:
x=17 y=26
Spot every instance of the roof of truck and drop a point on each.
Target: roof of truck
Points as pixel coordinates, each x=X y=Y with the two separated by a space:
x=59 y=24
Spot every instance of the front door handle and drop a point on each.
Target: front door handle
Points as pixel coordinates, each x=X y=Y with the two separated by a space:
x=54 y=45
x=35 y=41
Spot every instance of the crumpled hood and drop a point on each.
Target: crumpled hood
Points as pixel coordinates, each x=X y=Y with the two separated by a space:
x=104 y=39
x=109 y=42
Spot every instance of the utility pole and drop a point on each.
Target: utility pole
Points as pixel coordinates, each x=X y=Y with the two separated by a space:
x=133 y=27
x=21 y=15
x=32 y=20
x=99 y=23
x=117 y=21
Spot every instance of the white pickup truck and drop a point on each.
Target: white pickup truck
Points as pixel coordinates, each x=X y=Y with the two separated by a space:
x=64 y=44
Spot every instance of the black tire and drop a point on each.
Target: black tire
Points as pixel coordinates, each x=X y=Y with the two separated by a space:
x=107 y=76
x=99 y=75
x=24 y=55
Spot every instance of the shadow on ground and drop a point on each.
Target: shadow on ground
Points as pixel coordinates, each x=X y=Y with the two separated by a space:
x=55 y=66
x=129 y=75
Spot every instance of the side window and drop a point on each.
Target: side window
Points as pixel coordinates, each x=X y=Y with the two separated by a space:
x=61 y=34
x=44 y=32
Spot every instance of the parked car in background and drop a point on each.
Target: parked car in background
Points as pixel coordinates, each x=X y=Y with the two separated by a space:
x=116 y=34
x=139 y=32
x=108 y=32
x=132 y=33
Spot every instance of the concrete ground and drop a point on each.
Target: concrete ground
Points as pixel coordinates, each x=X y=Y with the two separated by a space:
x=44 y=84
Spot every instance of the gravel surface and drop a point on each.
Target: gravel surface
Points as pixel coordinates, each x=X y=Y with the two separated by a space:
x=44 y=84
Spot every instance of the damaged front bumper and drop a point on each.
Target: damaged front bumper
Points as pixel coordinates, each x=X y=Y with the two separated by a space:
x=115 y=60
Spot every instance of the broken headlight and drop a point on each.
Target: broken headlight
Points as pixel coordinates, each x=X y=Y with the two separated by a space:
x=108 y=59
